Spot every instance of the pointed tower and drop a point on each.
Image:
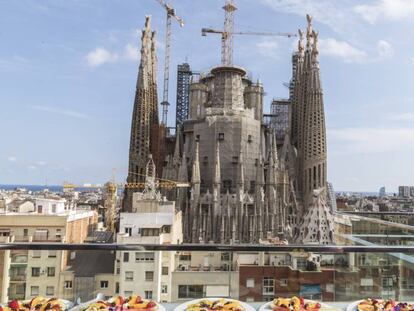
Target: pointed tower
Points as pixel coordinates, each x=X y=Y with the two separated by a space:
x=314 y=136
x=297 y=64
x=215 y=213
x=195 y=196
x=145 y=113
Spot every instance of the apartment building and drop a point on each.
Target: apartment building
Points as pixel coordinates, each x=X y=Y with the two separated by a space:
x=35 y=272
x=154 y=221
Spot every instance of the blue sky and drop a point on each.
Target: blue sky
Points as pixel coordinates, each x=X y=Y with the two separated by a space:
x=68 y=74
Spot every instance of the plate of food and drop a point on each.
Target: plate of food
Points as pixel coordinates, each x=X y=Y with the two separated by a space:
x=38 y=303
x=293 y=304
x=377 y=304
x=119 y=303
x=214 y=304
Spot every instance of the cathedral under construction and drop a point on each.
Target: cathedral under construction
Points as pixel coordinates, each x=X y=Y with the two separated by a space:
x=246 y=184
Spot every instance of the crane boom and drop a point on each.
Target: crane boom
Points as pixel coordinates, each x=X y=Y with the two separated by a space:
x=170 y=13
x=228 y=33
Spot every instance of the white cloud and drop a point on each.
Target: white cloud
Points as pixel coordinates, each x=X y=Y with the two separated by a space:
x=371 y=140
x=407 y=116
x=351 y=54
x=11 y=158
x=385 y=49
x=100 y=56
x=41 y=163
x=341 y=49
x=335 y=14
x=131 y=52
x=386 y=10
x=31 y=167
x=68 y=113
x=268 y=48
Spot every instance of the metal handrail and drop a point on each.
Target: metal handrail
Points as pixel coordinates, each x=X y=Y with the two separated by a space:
x=333 y=249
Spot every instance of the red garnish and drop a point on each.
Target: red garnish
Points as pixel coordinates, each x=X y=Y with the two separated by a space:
x=151 y=304
x=138 y=299
x=14 y=304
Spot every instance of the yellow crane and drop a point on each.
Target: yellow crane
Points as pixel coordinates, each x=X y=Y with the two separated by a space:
x=170 y=13
x=228 y=32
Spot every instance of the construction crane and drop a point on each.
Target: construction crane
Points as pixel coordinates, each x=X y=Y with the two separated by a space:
x=170 y=13
x=228 y=32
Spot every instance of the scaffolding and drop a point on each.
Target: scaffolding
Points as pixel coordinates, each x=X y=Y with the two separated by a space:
x=279 y=118
x=183 y=93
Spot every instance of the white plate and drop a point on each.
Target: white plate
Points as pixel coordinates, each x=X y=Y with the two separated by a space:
x=267 y=307
x=353 y=306
x=184 y=305
x=102 y=297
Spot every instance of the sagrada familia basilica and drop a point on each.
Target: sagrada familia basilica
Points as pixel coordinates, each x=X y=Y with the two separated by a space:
x=245 y=186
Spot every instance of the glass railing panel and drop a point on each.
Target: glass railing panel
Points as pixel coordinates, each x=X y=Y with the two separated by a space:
x=253 y=274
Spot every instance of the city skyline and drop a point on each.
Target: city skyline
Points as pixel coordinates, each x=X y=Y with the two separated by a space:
x=80 y=82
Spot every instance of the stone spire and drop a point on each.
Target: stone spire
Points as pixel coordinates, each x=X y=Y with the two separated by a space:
x=145 y=113
x=259 y=198
x=216 y=212
x=314 y=138
x=195 y=214
x=297 y=60
x=195 y=176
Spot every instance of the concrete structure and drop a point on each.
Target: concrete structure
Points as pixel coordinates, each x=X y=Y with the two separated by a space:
x=382 y=192
x=246 y=187
x=34 y=273
x=404 y=191
x=153 y=220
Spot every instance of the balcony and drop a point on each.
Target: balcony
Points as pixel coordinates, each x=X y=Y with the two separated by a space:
x=18 y=258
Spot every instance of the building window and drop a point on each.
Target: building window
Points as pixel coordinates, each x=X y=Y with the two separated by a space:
x=4 y=232
x=126 y=257
x=144 y=256
x=50 y=271
x=34 y=290
x=36 y=253
x=127 y=293
x=50 y=290
x=227 y=185
x=68 y=284
x=283 y=282
x=53 y=208
x=164 y=289
x=148 y=294
x=164 y=270
x=225 y=256
x=149 y=275
x=235 y=160
x=35 y=271
x=25 y=232
x=128 y=230
x=150 y=232
x=250 y=283
x=249 y=138
x=129 y=275
x=58 y=234
x=268 y=286
x=252 y=185
x=52 y=254
x=104 y=284
x=190 y=291
x=221 y=136
x=197 y=138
